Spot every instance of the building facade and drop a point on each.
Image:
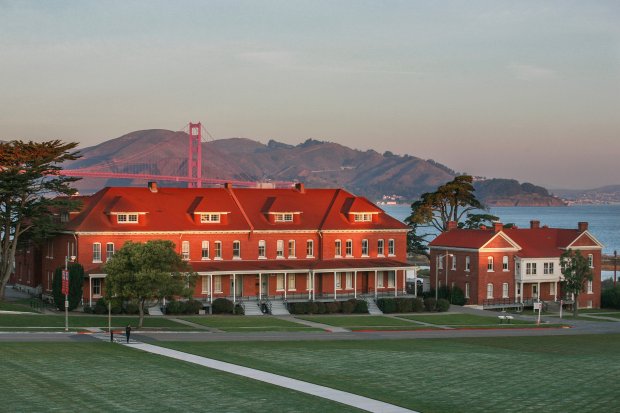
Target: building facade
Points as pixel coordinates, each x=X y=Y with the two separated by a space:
x=513 y=265
x=245 y=244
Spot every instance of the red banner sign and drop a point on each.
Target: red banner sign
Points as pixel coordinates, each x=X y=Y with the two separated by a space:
x=65 y=282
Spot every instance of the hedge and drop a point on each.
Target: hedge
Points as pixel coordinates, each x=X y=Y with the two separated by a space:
x=330 y=307
x=400 y=305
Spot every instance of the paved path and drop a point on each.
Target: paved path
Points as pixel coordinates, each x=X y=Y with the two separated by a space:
x=314 y=324
x=360 y=402
x=195 y=325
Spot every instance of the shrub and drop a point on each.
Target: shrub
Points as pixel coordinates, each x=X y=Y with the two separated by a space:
x=298 y=308
x=457 y=296
x=443 y=305
x=404 y=305
x=313 y=307
x=332 y=307
x=387 y=305
x=88 y=309
x=361 y=307
x=101 y=307
x=222 y=306
x=131 y=308
x=320 y=307
x=417 y=305
x=610 y=297
x=430 y=304
x=348 y=306
x=174 y=307
x=239 y=310
x=192 y=307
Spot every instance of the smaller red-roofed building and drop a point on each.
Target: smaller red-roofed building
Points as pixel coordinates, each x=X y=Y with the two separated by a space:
x=513 y=265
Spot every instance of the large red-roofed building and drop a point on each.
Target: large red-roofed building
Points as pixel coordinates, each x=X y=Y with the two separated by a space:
x=297 y=243
x=513 y=265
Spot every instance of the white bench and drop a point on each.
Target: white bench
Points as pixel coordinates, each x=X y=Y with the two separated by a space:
x=506 y=318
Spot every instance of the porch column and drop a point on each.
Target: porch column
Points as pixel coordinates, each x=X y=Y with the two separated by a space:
x=211 y=288
x=355 y=284
x=313 y=286
x=521 y=295
x=234 y=290
x=395 y=283
x=309 y=284
x=538 y=291
x=335 y=293
x=375 y=284
x=285 y=285
x=404 y=281
x=555 y=290
x=260 y=286
x=90 y=291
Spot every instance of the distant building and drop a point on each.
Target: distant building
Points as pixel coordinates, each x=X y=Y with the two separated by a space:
x=245 y=244
x=513 y=264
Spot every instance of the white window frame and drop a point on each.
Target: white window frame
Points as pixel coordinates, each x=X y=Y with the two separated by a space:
x=127 y=218
x=505 y=264
x=468 y=263
x=292 y=253
x=338 y=277
x=210 y=218
x=283 y=217
x=380 y=279
x=279 y=282
x=349 y=280
x=185 y=250
x=362 y=217
x=217 y=253
x=489 y=291
x=453 y=262
x=591 y=260
x=391 y=248
x=364 y=248
x=262 y=249
x=348 y=248
x=96 y=287
x=467 y=290
x=338 y=248
x=291 y=282
x=490 y=264
x=96 y=252
x=204 y=252
x=236 y=250
x=381 y=248
x=206 y=285
x=505 y=291
x=589 y=287
x=109 y=252
x=309 y=248
x=217 y=283
x=308 y=282
x=280 y=249
x=391 y=279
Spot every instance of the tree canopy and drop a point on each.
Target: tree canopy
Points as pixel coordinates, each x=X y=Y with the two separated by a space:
x=576 y=270
x=30 y=187
x=146 y=273
x=453 y=201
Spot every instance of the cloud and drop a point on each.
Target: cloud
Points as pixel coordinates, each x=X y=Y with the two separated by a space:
x=531 y=72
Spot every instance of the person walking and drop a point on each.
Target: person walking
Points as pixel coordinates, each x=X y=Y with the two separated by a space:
x=128 y=331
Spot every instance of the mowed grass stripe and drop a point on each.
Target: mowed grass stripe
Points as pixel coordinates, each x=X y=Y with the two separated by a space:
x=241 y=323
x=508 y=374
x=104 y=377
x=460 y=319
x=359 y=321
x=84 y=321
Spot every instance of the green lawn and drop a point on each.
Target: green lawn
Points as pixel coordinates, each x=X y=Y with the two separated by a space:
x=80 y=322
x=104 y=377
x=364 y=322
x=460 y=320
x=254 y=323
x=508 y=374
x=19 y=305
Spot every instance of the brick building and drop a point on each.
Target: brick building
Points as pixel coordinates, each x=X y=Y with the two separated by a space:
x=310 y=244
x=513 y=264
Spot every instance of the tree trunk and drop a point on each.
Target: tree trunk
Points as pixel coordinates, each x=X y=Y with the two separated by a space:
x=141 y=310
x=575 y=305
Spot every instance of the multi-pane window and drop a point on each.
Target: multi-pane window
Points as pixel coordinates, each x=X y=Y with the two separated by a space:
x=380 y=247
x=261 y=249
x=218 y=250
x=530 y=268
x=286 y=217
x=280 y=282
x=213 y=218
x=127 y=218
x=280 y=248
x=308 y=282
x=291 y=282
x=467 y=263
x=489 y=290
x=466 y=290
x=217 y=283
x=390 y=247
x=185 y=250
x=391 y=279
x=454 y=262
x=310 y=248
x=206 y=285
x=548 y=268
x=362 y=217
x=291 y=248
x=337 y=279
x=109 y=251
x=338 y=248
x=591 y=260
x=364 y=247
x=205 y=250
x=349 y=280
x=552 y=289
x=97 y=252
x=505 y=290
x=348 y=248
x=236 y=249
x=379 y=279
x=505 y=263
x=490 y=264
x=589 y=287
x=96 y=287
x=439 y=263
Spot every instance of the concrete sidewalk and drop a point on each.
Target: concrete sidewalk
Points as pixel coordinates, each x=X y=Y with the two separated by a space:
x=360 y=402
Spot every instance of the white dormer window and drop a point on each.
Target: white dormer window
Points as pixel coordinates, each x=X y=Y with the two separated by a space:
x=284 y=217
x=362 y=217
x=127 y=218
x=206 y=218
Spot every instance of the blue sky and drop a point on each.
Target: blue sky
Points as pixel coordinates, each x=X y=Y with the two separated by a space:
x=521 y=89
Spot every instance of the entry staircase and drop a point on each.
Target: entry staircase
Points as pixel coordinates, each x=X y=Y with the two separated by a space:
x=372 y=307
x=279 y=308
x=252 y=308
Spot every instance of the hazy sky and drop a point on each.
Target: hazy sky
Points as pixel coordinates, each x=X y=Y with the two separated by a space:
x=520 y=89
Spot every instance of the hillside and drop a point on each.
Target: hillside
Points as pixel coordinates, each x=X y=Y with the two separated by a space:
x=316 y=163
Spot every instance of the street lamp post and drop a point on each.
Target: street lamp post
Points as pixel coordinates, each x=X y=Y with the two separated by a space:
x=439 y=257
x=615 y=265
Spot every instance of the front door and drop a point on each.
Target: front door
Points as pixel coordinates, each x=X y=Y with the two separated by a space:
x=237 y=285
x=365 y=283
x=264 y=287
x=534 y=291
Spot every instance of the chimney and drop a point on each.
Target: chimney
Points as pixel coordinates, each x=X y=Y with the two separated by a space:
x=228 y=185
x=582 y=226
x=300 y=188
x=153 y=187
x=534 y=224
x=452 y=225
x=498 y=226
